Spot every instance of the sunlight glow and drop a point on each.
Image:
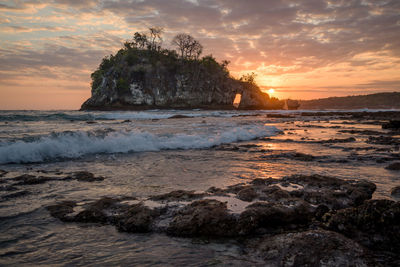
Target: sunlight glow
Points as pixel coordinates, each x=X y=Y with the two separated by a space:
x=236 y=101
x=271 y=90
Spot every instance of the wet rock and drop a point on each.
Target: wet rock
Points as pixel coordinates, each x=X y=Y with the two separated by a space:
x=279 y=116
x=207 y=217
x=85 y=176
x=137 y=219
x=395 y=192
x=128 y=218
x=311 y=248
x=337 y=140
x=3 y=173
x=393 y=124
x=61 y=210
x=126 y=121
x=303 y=157
x=394 y=166
x=260 y=181
x=236 y=188
x=227 y=147
x=15 y=194
x=247 y=194
x=264 y=216
x=292 y=155
x=364 y=132
x=247 y=146
x=273 y=193
x=320 y=211
x=8 y=188
x=179 y=116
x=27 y=179
x=374 y=224
x=311 y=126
x=383 y=140
x=216 y=191
x=330 y=191
x=178 y=195
x=91 y=122
x=96 y=211
x=279 y=140
x=294 y=202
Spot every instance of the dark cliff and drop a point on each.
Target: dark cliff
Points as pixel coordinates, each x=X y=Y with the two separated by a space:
x=137 y=78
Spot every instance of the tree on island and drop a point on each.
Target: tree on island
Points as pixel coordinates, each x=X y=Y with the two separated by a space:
x=249 y=77
x=152 y=40
x=188 y=47
x=140 y=40
x=155 y=38
x=143 y=66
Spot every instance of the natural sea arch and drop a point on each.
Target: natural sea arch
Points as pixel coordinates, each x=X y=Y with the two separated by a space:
x=236 y=101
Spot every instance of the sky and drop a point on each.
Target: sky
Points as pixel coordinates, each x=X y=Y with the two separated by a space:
x=303 y=49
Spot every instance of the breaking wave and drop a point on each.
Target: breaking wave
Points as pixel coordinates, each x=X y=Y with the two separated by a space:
x=85 y=116
x=71 y=145
x=44 y=116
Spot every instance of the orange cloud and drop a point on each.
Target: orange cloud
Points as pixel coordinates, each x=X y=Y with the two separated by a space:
x=303 y=49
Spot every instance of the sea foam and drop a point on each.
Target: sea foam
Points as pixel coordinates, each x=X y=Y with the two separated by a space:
x=70 y=145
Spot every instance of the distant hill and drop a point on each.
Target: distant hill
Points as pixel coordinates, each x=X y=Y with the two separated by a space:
x=373 y=101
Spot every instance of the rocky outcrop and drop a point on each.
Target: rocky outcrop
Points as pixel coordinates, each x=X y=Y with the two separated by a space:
x=375 y=224
x=310 y=248
x=295 y=221
x=262 y=206
x=392 y=124
x=17 y=183
x=160 y=79
x=395 y=192
x=394 y=166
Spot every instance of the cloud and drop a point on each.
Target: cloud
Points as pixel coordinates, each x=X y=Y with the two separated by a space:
x=22 y=29
x=286 y=42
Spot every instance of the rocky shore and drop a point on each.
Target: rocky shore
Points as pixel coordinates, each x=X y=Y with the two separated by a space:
x=297 y=220
x=270 y=202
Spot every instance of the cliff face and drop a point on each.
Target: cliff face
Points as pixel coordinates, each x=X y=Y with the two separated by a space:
x=142 y=79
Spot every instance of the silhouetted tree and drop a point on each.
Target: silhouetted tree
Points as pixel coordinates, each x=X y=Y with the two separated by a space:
x=155 y=39
x=187 y=46
x=249 y=78
x=140 y=40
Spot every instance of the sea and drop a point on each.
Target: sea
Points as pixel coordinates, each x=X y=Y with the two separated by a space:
x=145 y=153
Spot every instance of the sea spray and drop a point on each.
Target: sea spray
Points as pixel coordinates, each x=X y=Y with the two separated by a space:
x=71 y=145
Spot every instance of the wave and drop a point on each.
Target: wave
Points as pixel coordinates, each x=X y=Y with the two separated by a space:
x=87 y=116
x=44 y=116
x=71 y=145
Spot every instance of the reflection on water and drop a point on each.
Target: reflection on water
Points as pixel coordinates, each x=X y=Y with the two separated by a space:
x=29 y=234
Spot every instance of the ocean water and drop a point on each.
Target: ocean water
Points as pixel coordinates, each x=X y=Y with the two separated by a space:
x=152 y=152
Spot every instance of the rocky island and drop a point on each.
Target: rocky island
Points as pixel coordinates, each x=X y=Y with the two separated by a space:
x=143 y=75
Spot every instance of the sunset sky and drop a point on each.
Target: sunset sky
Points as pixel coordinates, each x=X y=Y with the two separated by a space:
x=303 y=49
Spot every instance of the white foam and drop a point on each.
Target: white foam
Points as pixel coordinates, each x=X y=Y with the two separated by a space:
x=140 y=115
x=148 y=115
x=72 y=145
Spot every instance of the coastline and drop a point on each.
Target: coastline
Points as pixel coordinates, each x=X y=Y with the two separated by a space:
x=145 y=179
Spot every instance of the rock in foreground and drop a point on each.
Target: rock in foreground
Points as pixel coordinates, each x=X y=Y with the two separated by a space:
x=311 y=248
x=298 y=220
x=375 y=224
x=265 y=205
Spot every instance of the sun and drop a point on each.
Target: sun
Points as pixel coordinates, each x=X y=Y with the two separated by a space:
x=271 y=90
